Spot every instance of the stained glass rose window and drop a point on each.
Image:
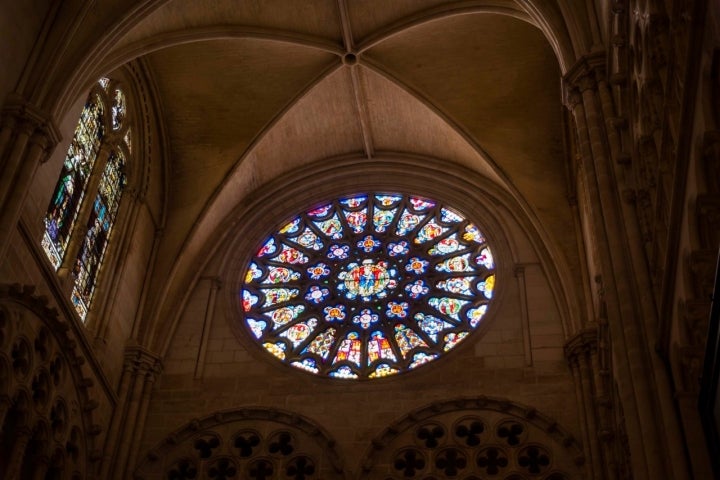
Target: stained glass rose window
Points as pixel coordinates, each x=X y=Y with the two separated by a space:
x=368 y=285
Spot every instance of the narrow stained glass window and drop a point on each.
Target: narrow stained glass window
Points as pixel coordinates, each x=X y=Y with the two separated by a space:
x=368 y=286
x=70 y=189
x=99 y=227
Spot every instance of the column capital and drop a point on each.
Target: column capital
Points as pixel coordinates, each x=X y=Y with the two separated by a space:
x=30 y=118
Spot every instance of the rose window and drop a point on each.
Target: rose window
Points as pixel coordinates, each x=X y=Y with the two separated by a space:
x=368 y=286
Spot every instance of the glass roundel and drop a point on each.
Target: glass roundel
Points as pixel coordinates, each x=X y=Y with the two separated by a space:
x=368 y=285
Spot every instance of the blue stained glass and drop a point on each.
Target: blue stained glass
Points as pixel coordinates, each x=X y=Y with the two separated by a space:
x=448 y=216
x=420 y=205
x=421 y=358
x=460 y=263
x=447 y=245
x=99 y=228
x=306 y=364
x=343 y=372
x=70 y=189
x=379 y=348
x=460 y=285
x=354 y=202
x=448 y=306
x=284 y=315
x=280 y=275
x=256 y=326
x=320 y=211
x=383 y=218
x=308 y=239
x=387 y=200
x=432 y=325
x=476 y=314
x=300 y=331
x=408 y=221
x=398 y=249
x=292 y=227
x=331 y=227
x=274 y=296
x=356 y=220
x=485 y=259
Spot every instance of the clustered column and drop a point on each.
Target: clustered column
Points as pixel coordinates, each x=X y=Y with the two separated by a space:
x=139 y=373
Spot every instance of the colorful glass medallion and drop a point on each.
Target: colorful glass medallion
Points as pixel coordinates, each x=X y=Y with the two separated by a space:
x=273 y=296
x=368 y=244
x=334 y=313
x=365 y=280
x=421 y=358
x=460 y=285
x=320 y=211
x=306 y=364
x=331 y=227
x=417 y=265
x=300 y=331
x=280 y=275
x=431 y=325
x=448 y=306
x=249 y=300
x=446 y=245
x=420 y=205
x=343 y=372
x=268 y=248
x=460 y=263
x=417 y=289
x=292 y=227
x=448 y=216
x=387 y=200
x=383 y=370
x=356 y=220
x=476 y=314
x=398 y=249
x=277 y=349
x=256 y=326
x=367 y=285
x=339 y=252
x=317 y=294
x=407 y=223
x=284 y=315
x=397 y=310
x=318 y=271
x=366 y=318
x=487 y=286
x=254 y=272
x=383 y=218
x=485 y=259
x=430 y=231
x=452 y=339
x=291 y=255
x=308 y=239
x=472 y=234
x=354 y=202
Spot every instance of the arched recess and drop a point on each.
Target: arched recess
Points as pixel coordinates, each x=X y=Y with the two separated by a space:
x=251 y=442
x=48 y=400
x=481 y=437
x=236 y=240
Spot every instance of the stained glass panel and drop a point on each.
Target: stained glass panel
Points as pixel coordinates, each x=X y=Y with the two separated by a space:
x=99 y=228
x=368 y=285
x=70 y=189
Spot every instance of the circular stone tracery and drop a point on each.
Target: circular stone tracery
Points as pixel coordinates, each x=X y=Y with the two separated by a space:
x=368 y=286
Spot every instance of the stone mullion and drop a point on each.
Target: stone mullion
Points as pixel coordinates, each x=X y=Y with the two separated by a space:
x=624 y=377
x=33 y=152
x=78 y=233
x=17 y=453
